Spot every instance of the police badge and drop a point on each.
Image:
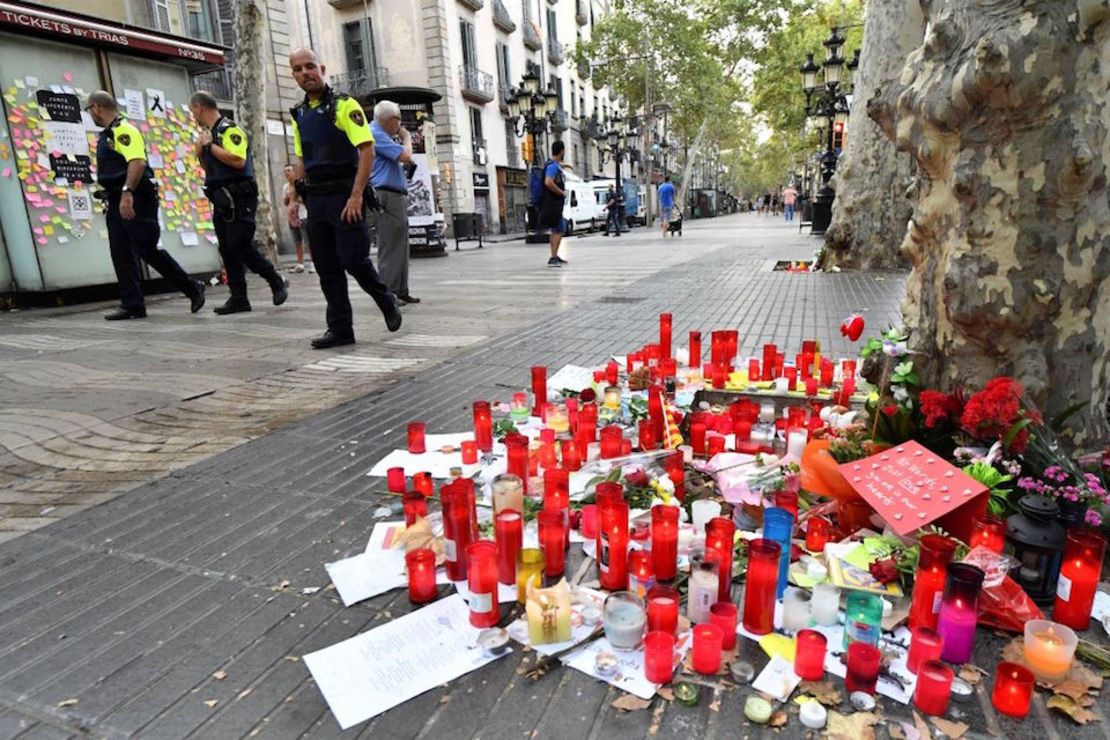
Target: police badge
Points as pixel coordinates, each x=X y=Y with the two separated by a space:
x=125 y=139
x=236 y=139
x=356 y=116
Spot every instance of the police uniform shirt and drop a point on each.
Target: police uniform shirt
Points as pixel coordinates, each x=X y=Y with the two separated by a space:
x=119 y=144
x=234 y=140
x=227 y=135
x=349 y=118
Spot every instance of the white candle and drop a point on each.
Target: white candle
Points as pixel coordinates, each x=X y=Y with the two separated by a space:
x=703 y=511
x=825 y=604
x=796 y=442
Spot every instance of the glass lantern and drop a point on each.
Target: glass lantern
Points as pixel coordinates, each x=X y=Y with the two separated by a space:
x=1038 y=542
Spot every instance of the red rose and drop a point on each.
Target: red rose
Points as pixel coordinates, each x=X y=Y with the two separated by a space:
x=890 y=410
x=637 y=479
x=575 y=519
x=884 y=571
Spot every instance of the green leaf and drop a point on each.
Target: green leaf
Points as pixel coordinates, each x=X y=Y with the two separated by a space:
x=904 y=368
x=1057 y=422
x=1014 y=431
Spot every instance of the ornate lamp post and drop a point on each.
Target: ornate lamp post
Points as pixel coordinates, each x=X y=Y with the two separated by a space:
x=617 y=135
x=530 y=114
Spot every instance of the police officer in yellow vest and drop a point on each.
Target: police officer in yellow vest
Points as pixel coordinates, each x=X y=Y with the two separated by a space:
x=336 y=150
x=128 y=185
x=224 y=152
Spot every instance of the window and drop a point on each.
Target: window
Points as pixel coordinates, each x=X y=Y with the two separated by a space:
x=582 y=99
x=573 y=105
x=552 y=28
x=469 y=50
x=527 y=9
x=198 y=19
x=577 y=161
x=596 y=108
x=557 y=84
x=478 y=142
x=358 y=43
x=511 y=146
x=504 y=71
x=161 y=14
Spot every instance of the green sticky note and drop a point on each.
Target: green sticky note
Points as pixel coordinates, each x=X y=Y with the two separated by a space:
x=860 y=557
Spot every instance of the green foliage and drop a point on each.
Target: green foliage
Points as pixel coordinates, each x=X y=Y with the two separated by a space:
x=995 y=480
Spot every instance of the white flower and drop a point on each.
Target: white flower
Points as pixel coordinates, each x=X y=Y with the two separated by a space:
x=900 y=393
x=895 y=349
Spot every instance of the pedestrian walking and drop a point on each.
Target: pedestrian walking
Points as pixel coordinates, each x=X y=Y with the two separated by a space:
x=392 y=150
x=789 y=198
x=612 y=212
x=666 y=203
x=554 y=196
x=290 y=196
x=224 y=151
x=335 y=153
x=128 y=186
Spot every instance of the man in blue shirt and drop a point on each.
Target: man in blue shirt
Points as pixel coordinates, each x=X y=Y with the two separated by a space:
x=666 y=203
x=393 y=148
x=554 y=196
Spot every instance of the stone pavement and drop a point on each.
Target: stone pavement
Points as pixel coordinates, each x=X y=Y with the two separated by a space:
x=117 y=620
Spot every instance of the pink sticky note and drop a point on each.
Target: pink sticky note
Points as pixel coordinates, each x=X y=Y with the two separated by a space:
x=37 y=230
x=67 y=76
x=56 y=153
x=41 y=240
x=44 y=218
x=6 y=172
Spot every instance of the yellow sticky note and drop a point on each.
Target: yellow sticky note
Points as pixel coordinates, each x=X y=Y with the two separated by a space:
x=860 y=557
x=48 y=230
x=775 y=644
x=32 y=189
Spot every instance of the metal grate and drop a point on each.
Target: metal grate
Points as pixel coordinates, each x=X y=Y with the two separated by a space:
x=620 y=299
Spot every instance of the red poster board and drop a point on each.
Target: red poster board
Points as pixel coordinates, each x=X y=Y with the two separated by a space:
x=911 y=487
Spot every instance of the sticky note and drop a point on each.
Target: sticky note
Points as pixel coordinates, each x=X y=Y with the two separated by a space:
x=6 y=172
x=67 y=76
x=48 y=230
x=37 y=230
x=44 y=218
x=775 y=644
x=41 y=240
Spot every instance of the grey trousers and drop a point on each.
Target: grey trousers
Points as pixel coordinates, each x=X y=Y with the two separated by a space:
x=392 y=232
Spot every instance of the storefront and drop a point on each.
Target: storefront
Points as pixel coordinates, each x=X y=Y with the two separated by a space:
x=512 y=200
x=53 y=235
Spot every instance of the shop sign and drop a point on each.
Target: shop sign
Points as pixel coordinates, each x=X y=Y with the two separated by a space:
x=516 y=178
x=481 y=180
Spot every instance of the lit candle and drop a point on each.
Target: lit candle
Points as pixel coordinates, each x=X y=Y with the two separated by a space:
x=824 y=605
x=421 y=565
x=551 y=538
x=809 y=655
x=658 y=656
x=724 y=614
x=1049 y=648
x=1013 y=689
x=715 y=445
x=416 y=437
x=818 y=530
x=529 y=567
x=611 y=438
x=539 y=388
x=719 y=534
x=770 y=352
x=647 y=435
x=788 y=502
x=482 y=583
x=753 y=371
x=924 y=646
x=662 y=609
x=516 y=453
x=611 y=370
x=415 y=505
x=483 y=426
x=469 y=449
x=570 y=454
x=456 y=530
x=864 y=662
x=796 y=441
x=395 y=480
x=697 y=437
x=664 y=541
x=707 y=649
x=1079 y=575
x=761 y=585
x=508 y=493
x=958 y=612
x=548 y=611
x=935 y=554
x=624 y=618
x=934 y=686
x=694 y=355
x=811 y=387
x=423 y=483
x=665 y=324
x=558 y=418
x=990 y=532
x=612 y=398
x=556 y=497
x=612 y=546
x=508 y=531
x=588 y=525
x=640 y=577
x=518 y=408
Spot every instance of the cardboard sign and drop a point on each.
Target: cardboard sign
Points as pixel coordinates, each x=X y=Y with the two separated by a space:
x=911 y=487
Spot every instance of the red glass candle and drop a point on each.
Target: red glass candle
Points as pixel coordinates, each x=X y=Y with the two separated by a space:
x=415 y=504
x=928 y=586
x=678 y=480
x=547 y=458
x=934 y=686
x=589 y=522
x=864 y=661
x=715 y=445
x=662 y=608
x=641 y=576
x=552 y=542
x=811 y=387
x=423 y=483
x=753 y=371
x=791 y=374
x=719 y=376
x=732 y=341
x=611 y=438
x=697 y=437
x=612 y=546
x=818 y=533
x=761 y=586
x=647 y=436
x=1013 y=689
x=848 y=369
x=612 y=370
x=469 y=449
x=1079 y=575
x=539 y=388
x=568 y=450
x=707 y=649
x=787 y=500
x=508 y=531
x=827 y=370
x=665 y=326
x=925 y=645
x=626 y=447
x=416 y=437
x=609 y=492
x=724 y=615
x=483 y=426
x=659 y=656
x=516 y=452
x=719 y=534
x=467 y=486
x=809 y=655
x=421 y=565
x=990 y=532
x=395 y=480
x=693 y=358
x=743 y=430
x=572 y=412
x=664 y=541
x=481 y=571
x=456 y=530
x=847 y=390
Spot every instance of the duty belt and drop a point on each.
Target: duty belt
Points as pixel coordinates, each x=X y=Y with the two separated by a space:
x=391 y=190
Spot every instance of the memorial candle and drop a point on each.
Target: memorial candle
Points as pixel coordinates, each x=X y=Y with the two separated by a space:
x=707 y=649
x=416 y=437
x=811 y=387
x=469 y=450
x=701 y=593
x=989 y=531
x=665 y=325
x=508 y=531
x=658 y=656
x=697 y=437
x=539 y=388
x=414 y=505
x=1013 y=689
x=664 y=541
x=482 y=582
x=519 y=410
x=529 y=569
x=818 y=533
x=483 y=426
x=647 y=435
x=611 y=438
x=624 y=617
x=827 y=369
x=732 y=341
x=662 y=608
x=557 y=419
x=796 y=441
x=588 y=524
x=935 y=553
x=640 y=575
x=724 y=615
x=778 y=525
x=934 y=686
x=925 y=645
x=958 y=612
x=693 y=358
x=516 y=453
x=715 y=445
x=456 y=530
x=556 y=497
x=395 y=480
x=719 y=533
x=761 y=585
x=770 y=352
x=508 y=493
x=423 y=483
x=552 y=542
x=824 y=605
x=787 y=501
x=571 y=456
x=864 y=662
x=612 y=546
x=753 y=371
x=421 y=566
x=791 y=374
x=809 y=655
x=1049 y=649
x=1079 y=575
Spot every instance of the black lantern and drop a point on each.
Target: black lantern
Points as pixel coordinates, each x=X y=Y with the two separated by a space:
x=1038 y=542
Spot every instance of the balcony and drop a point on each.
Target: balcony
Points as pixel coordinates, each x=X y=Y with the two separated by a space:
x=501 y=17
x=341 y=4
x=217 y=83
x=584 y=70
x=474 y=4
x=556 y=54
x=532 y=35
x=477 y=86
x=560 y=121
x=361 y=81
x=589 y=127
x=582 y=11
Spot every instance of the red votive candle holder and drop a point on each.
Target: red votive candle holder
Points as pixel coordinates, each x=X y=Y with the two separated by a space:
x=648 y=440
x=423 y=483
x=612 y=371
x=770 y=353
x=787 y=500
x=724 y=614
x=1013 y=689
x=641 y=577
x=811 y=387
x=934 y=687
x=395 y=480
x=761 y=586
x=988 y=531
x=743 y=430
x=626 y=447
x=925 y=645
x=719 y=376
x=936 y=552
x=609 y=492
x=848 y=369
x=416 y=437
x=483 y=426
x=469 y=449
x=791 y=374
x=588 y=526
x=612 y=546
x=611 y=438
x=662 y=608
x=693 y=358
x=415 y=504
x=552 y=540
x=568 y=451
x=516 y=453
x=659 y=656
x=697 y=437
x=818 y=533
x=665 y=325
x=664 y=541
x=719 y=534
x=707 y=649
x=864 y=661
x=508 y=531
x=732 y=341
x=456 y=531
x=827 y=369
x=539 y=388
x=753 y=371
x=481 y=579
x=715 y=445
x=809 y=655
x=421 y=566
x=1079 y=575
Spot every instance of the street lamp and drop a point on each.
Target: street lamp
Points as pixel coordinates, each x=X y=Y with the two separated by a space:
x=616 y=135
x=530 y=113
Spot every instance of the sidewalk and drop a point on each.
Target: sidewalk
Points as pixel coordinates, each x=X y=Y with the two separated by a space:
x=137 y=608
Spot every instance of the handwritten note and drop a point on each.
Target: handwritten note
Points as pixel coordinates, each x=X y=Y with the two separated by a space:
x=134 y=104
x=367 y=575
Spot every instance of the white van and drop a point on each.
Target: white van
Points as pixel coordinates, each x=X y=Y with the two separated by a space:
x=580 y=207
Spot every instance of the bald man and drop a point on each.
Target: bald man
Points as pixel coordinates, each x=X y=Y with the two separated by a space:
x=335 y=153
x=132 y=215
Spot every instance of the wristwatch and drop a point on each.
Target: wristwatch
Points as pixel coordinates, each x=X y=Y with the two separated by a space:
x=127 y=188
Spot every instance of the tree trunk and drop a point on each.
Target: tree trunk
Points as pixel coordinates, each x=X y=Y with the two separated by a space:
x=1004 y=109
x=871 y=208
x=688 y=165
x=249 y=25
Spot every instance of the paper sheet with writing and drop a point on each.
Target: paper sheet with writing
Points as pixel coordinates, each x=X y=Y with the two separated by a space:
x=894 y=645
x=630 y=664
x=371 y=673
x=571 y=378
x=368 y=574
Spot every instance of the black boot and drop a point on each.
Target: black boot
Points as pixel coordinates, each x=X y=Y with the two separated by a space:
x=237 y=303
x=280 y=289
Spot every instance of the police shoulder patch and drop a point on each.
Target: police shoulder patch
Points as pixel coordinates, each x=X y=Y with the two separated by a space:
x=357 y=117
x=124 y=139
x=236 y=139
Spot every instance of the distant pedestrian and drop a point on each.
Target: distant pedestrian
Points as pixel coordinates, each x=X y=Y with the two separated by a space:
x=775 y=204
x=789 y=197
x=128 y=183
x=612 y=212
x=551 y=206
x=766 y=208
x=225 y=154
x=298 y=224
x=666 y=203
x=392 y=150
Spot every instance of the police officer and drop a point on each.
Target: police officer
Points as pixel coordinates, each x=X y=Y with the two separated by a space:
x=224 y=152
x=336 y=151
x=132 y=214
